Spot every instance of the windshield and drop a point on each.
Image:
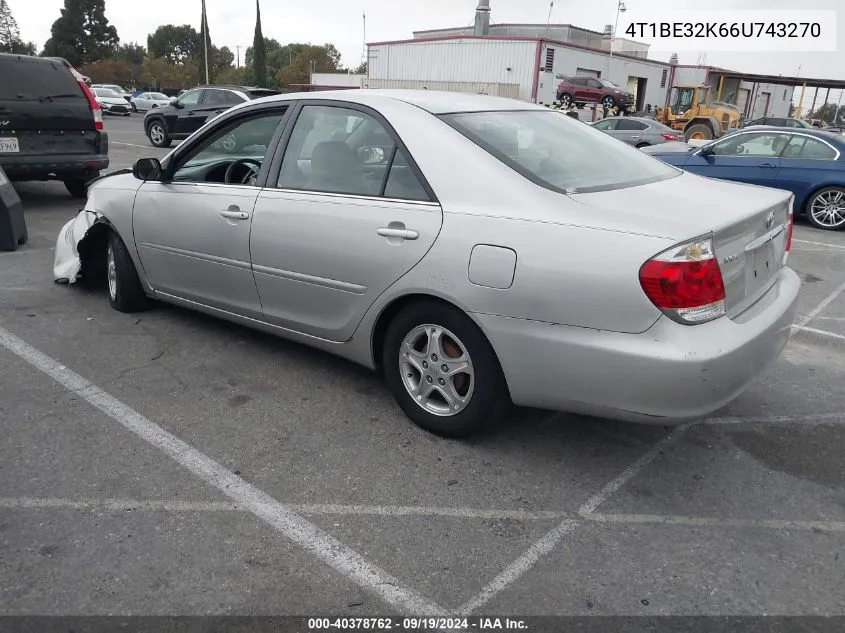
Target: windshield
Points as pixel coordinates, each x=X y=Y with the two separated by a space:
x=158 y=96
x=114 y=88
x=106 y=92
x=558 y=152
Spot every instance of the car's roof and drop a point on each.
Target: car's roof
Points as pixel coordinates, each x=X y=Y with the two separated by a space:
x=433 y=101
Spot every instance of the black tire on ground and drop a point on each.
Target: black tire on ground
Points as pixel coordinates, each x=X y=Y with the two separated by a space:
x=157 y=133
x=489 y=400
x=607 y=102
x=565 y=98
x=639 y=145
x=698 y=131
x=125 y=291
x=76 y=187
x=826 y=198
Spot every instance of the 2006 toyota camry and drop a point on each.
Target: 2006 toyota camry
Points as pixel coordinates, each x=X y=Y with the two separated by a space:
x=478 y=251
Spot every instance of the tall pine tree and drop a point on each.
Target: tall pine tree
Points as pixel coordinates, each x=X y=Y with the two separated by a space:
x=82 y=34
x=259 y=52
x=10 y=36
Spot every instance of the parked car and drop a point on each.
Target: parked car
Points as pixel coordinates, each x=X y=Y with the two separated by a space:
x=51 y=126
x=808 y=163
x=192 y=109
x=149 y=101
x=583 y=90
x=111 y=102
x=773 y=121
x=637 y=131
x=554 y=263
x=124 y=94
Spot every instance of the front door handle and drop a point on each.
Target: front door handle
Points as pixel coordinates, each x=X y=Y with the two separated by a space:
x=768 y=165
x=402 y=234
x=235 y=214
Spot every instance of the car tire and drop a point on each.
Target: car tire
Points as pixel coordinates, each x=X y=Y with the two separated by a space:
x=640 y=145
x=825 y=209
x=405 y=356
x=157 y=133
x=698 y=131
x=607 y=102
x=125 y=291
x=565 y=99
x=77 y=187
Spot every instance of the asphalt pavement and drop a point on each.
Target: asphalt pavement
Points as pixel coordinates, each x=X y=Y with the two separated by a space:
x=171 y=463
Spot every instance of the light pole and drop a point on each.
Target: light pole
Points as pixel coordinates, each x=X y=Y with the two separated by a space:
x=620 y=8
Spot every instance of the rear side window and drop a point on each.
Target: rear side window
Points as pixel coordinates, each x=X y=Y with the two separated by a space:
x=810 y=148
x=629 y=125
x=26 y=80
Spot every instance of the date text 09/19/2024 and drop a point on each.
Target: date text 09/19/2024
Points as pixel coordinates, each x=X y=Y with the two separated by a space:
x=417 y=624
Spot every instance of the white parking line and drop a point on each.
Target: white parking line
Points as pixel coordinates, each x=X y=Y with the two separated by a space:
x=769 y=524
x=803 y=321
x=328 y=549
x=119 y=504
x=836 y=246
x=132 y=145
x=819 y=332
x=546 y=544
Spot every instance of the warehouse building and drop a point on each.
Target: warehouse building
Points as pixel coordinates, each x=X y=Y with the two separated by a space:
x=528 y=61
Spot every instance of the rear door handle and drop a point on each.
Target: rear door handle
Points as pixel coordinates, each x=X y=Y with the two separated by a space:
x=235 y=214
x=769 y=165
x=402 y=234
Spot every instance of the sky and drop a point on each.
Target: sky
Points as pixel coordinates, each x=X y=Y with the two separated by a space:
x=341 y=23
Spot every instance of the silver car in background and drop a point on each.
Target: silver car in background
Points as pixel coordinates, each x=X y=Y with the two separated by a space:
x=638 y=131
x=149 y=101
x=477 y=251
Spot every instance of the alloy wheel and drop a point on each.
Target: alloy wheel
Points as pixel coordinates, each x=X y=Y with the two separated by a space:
x=828 y=208
x=111 y=272
x=436 y=370
x=156 y=133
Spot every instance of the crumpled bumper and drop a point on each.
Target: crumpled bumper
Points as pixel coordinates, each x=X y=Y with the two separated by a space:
x=67 y=263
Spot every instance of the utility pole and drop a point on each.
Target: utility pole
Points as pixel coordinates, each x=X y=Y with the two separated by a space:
x=238 y=49
x=205 y=40
x=549 y=20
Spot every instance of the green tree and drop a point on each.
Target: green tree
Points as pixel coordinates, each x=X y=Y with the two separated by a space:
x=361 y=69
x=10 y=35
x=312 y=59
x=173 y=43
x=220 y=60
x=259 y=52
x=82 y=34
x=131 y=53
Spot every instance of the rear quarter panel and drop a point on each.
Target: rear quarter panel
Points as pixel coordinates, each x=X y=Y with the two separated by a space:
x=803 y=177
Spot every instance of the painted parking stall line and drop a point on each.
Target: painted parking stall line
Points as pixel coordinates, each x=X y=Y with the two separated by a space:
x=322 y=545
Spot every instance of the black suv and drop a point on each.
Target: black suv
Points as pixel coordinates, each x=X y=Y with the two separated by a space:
x=51 y=126
x=187 y=113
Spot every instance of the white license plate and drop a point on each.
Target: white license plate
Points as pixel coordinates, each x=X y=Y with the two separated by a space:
x=9 y=145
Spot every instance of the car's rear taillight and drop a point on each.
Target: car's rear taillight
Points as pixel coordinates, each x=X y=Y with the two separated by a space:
x=685 y=282
x=788 y=242
x=95 y=107
x=669 y=137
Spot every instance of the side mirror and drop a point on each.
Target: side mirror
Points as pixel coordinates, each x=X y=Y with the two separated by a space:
x=147 y=169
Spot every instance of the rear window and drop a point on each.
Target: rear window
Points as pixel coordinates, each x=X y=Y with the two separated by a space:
x=257 y=94
x=558 y=152
x=26 y=80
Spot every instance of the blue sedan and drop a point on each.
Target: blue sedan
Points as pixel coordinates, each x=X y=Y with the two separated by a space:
x=809 y=163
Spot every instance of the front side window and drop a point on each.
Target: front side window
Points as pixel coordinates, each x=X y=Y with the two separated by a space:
x=190 y=98
x=346 y=151
x=766 y=144
x=809 y=148
x=239 y=148
x=558 y=152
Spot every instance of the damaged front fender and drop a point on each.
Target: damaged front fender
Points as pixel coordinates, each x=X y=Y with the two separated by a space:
x=67 y=262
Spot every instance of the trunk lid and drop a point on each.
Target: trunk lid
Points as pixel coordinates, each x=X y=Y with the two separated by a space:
x=749 y=225
x=43 y=109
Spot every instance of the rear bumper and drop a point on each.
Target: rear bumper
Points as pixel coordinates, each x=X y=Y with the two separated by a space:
x=669 y=374
x=40 y=167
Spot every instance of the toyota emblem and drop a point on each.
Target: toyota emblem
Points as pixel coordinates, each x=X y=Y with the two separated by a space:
x=770 y=220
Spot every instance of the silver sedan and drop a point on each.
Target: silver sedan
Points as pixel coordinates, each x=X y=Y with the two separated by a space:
x=638 y=131
x=477 y=251
x=149 y=101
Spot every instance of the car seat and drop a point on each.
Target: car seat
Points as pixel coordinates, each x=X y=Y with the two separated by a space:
x=335 y=168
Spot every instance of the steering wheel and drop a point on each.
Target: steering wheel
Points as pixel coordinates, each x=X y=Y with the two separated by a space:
x=252 y=171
